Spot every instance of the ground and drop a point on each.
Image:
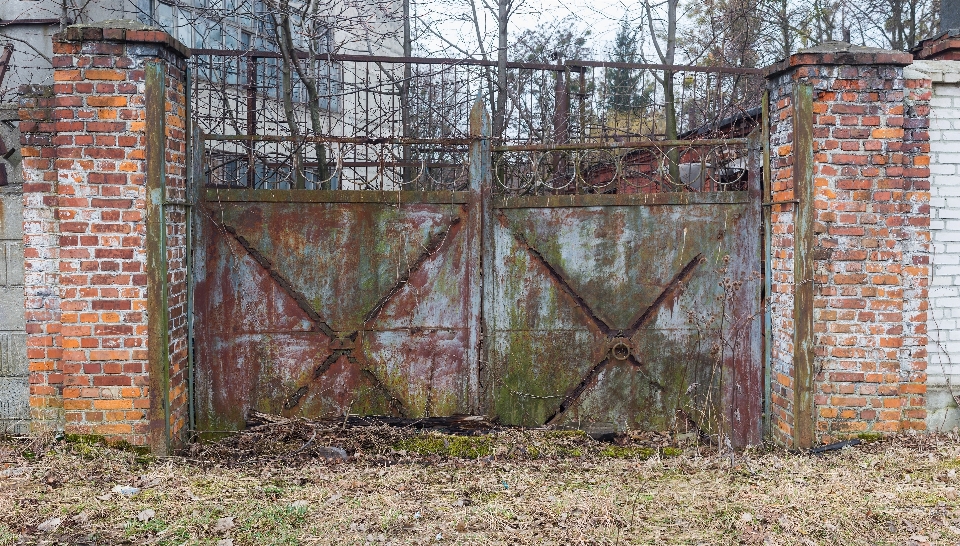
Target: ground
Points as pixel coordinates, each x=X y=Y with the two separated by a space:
x=282 y=484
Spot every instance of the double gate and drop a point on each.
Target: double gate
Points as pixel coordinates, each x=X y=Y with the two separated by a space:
x=616 y=311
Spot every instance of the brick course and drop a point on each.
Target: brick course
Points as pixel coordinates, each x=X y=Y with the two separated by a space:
x=871 y=233
x=86 y=238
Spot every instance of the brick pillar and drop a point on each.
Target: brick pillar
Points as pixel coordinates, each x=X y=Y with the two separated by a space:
x=104 y=164
x=943 y=47
x=850 y=244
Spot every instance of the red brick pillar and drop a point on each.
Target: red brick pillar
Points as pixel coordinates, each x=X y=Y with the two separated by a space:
x=850 y=244
x=105 y=236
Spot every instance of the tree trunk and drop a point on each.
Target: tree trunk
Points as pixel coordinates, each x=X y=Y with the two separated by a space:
x=499 y=115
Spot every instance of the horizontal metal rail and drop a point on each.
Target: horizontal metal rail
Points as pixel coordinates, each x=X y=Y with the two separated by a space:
x=467 y=141
x=339 y=139
x=572 y=64
x=621 y=199
x=14 y=22
x=235 y=195
x=620 y=145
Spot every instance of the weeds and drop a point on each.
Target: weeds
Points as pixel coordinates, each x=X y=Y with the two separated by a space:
x=641 y=490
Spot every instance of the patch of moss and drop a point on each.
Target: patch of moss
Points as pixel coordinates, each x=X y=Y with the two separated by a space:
x=870 y=436
x=463 y=447
x=951 y=463
x=634 y=452
x=627 y=452
x=96 y=440
x=671 y=452
x=569 y=452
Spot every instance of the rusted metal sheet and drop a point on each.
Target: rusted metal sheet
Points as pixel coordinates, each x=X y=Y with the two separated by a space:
x=803 y=266
x=157 y=309
x=321 y=308
x=626 y=315
x=743 y=389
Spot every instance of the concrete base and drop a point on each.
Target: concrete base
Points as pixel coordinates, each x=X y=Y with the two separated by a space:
x=942 y=411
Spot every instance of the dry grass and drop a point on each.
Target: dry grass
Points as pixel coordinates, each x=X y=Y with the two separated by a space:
x=509 y=487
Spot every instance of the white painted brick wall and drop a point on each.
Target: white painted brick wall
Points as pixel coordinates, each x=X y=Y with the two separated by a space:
x=943 y=372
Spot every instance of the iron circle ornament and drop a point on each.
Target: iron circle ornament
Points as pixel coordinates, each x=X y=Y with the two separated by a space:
x=620 y=349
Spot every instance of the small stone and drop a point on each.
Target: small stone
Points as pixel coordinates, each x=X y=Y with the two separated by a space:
x=50 y=525
x=81 y=518
x=225 y=542
x=746 y=517
x=332 y=453
x=299 y=504
x=224 y=524
x=15 y=471
x=126 y=490
x=146 y=515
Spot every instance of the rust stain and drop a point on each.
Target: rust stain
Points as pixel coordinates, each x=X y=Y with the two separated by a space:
x=320 y=307
x=620 y=347
x=345 y=370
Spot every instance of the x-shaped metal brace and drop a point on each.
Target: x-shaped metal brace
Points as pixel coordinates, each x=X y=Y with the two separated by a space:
x=345 y=344
x=619 y=344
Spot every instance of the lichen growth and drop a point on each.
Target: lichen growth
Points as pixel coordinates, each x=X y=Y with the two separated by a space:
x=463 y=447
x=671 y=452
x=627 y=452
x=85 y=440
x=635 y=452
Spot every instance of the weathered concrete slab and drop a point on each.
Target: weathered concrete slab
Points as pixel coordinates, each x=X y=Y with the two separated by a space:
x=13 y=354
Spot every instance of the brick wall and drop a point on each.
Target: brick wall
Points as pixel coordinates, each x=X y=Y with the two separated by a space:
x=868 y=252
x=944 y=319
x=96 y=351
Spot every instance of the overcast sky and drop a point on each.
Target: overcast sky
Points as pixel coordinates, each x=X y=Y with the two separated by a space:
x=602 y=17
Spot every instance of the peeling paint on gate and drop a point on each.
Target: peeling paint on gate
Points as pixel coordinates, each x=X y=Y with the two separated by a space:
x=597 y=309
x=592 y=321
x=323 y=307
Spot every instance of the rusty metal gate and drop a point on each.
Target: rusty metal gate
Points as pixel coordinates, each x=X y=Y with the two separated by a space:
x=635 y=309
x=627 y=311
x=327 y=303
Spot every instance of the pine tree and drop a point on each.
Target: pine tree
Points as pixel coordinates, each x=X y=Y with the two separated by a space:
x=624 y=90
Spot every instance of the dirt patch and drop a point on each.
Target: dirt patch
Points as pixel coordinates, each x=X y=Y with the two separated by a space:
x=300 y=482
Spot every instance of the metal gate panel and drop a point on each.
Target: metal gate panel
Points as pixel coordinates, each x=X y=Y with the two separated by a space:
x=603 y=308
x=380 y=292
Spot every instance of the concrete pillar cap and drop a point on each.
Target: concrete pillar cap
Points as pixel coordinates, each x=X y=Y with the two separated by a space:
x=120 y=30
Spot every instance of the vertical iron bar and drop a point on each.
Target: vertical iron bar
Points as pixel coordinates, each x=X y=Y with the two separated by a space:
x=251 y=120
x=5 y=61
x=583 y=104
x=767 y=266
x=194 y=160
x=561 y=117
x=481 y=185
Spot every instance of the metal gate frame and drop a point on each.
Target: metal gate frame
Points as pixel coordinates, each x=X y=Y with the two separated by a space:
x=741 y=391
